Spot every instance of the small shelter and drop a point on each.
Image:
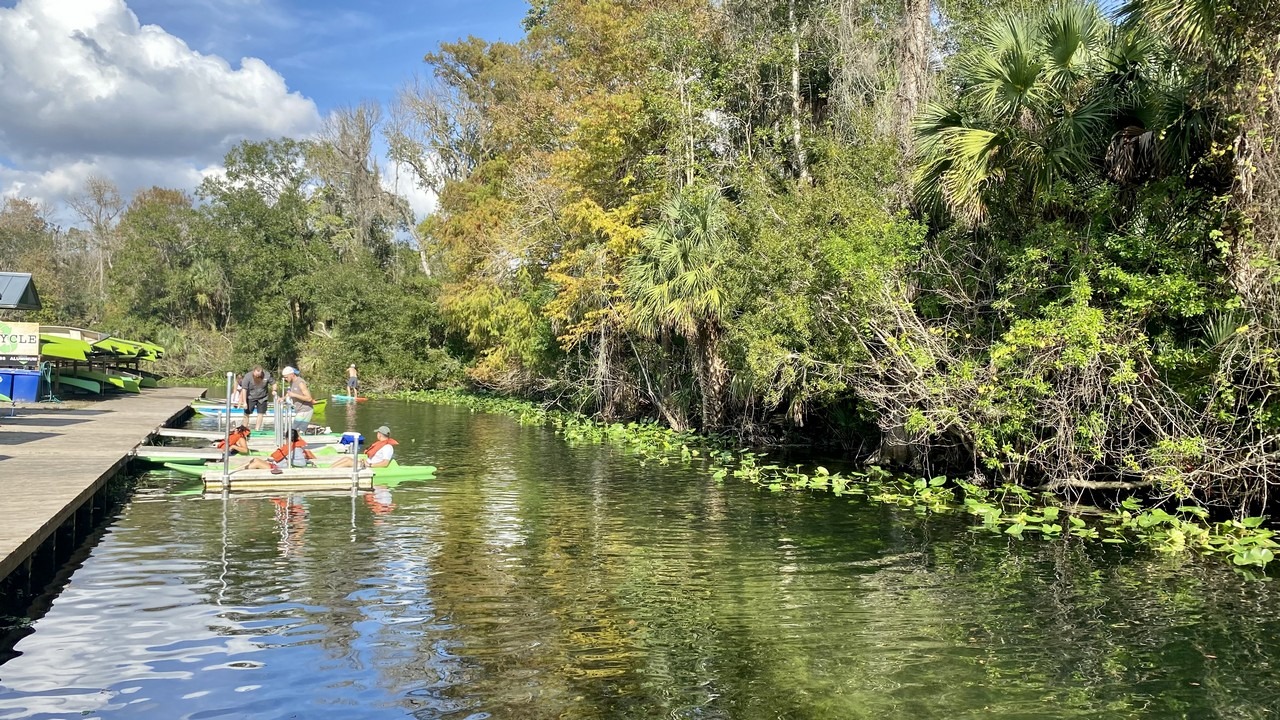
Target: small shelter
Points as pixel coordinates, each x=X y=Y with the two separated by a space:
x=18 y=292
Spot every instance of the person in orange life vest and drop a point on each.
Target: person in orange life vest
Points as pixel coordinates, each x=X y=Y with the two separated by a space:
x=292 y=454
x=378 y=455
x=239 y=441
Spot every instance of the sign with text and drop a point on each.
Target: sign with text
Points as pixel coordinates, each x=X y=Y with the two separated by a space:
x=19 y=344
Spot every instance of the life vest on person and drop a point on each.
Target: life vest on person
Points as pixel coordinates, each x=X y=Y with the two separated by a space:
x=284 y=451
x=374 y=448
x=236 y=437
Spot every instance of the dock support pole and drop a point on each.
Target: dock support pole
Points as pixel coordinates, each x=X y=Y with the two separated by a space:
x=355 y=463
x=226 y=447
x=282 y=402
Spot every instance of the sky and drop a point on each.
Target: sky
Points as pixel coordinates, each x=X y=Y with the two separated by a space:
x=154 y=92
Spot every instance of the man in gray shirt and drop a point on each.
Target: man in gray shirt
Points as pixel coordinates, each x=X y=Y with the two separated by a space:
x=257 y=386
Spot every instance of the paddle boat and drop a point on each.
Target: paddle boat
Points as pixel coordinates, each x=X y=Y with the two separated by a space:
x=394 y=470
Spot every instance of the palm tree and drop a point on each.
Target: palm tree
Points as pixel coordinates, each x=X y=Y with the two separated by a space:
x=675 y=285
x=1036 y=105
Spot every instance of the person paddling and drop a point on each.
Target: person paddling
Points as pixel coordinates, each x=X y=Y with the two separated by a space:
x=300 y=394
x=379 y=454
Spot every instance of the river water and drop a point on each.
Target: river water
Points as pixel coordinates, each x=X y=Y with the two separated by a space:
x=534 y=579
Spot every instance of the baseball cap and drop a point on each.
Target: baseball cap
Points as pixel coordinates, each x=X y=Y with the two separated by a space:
x=384 y=430
x=289 y=370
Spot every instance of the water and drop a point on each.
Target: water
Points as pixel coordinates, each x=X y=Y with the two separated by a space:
x=533 y=579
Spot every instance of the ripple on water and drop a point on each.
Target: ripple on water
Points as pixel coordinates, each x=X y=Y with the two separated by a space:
x=533 y=579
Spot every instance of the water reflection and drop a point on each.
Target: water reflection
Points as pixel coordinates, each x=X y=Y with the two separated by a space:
x=538 y=580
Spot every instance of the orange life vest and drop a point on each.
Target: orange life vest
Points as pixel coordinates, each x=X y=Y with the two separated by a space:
x=374 y=448
x=236 y=437
x=285 y=451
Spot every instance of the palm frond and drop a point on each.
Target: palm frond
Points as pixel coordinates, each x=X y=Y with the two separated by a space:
x=1072 y=37
x=1005 y=74
x=674 y=280
x=1189 y=25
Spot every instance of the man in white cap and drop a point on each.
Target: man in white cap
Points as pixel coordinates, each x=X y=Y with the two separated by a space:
x=377 y=455
x=300 y=395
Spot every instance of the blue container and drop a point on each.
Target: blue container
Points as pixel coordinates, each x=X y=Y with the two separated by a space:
x=6 y=382
x=26 y=385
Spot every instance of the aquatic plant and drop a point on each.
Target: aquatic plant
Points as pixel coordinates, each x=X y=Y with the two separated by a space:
x=1006 y=509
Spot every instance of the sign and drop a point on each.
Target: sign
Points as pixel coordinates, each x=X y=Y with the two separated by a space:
x=19 y=344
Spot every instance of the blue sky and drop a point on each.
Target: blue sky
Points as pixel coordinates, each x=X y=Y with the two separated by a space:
x=335 y=52
x=154 y=92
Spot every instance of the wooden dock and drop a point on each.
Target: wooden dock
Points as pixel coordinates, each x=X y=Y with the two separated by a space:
x=53 y=460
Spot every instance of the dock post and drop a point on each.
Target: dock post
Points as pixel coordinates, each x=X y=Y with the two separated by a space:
x=277 y=414
x=226 y=448
x=355 y=463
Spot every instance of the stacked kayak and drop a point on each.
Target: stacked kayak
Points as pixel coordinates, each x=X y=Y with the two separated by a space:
x=95 y=362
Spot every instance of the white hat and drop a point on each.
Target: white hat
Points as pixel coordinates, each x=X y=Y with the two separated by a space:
x=289 y=370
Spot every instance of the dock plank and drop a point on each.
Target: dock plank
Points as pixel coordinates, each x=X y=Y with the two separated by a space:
x=49 y=467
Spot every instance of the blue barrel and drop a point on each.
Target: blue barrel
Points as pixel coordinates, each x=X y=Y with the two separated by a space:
x=26 y=385
x=6 y=382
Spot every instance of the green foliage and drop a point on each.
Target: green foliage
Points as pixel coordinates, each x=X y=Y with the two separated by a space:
x=1007 y=510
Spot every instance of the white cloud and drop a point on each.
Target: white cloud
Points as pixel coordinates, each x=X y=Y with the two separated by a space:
x=86 y=89
x=399 y=179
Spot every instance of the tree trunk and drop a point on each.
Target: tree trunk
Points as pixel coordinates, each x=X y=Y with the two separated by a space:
x=913 y=69
x=802 y=167
x=713 y=376
x=604 y=383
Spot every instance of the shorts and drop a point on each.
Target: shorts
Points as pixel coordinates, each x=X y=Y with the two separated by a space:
x=353 y=383
x=258 y=405
x=302 y=416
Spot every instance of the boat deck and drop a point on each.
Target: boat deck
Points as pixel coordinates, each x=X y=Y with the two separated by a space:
x=291 y=478
x=53 y=460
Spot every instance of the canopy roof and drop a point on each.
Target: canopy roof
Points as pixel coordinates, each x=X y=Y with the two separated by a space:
x=18 y=292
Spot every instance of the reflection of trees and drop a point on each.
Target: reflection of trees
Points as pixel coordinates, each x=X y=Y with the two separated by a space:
x=540 y=580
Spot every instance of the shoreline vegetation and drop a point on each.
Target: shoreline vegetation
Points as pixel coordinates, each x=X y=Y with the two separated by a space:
x=1033 y=250
x=1009 y=510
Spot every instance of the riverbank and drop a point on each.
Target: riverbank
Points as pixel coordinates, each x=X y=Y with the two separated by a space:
x=1247 y=543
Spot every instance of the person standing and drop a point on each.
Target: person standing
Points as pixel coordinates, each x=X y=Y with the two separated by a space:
x=255 y=386
x=237 y=392
x=353 y=380
x=300 y=395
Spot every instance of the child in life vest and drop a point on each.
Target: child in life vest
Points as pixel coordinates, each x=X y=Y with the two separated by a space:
x=239 y=441
x=294 y=453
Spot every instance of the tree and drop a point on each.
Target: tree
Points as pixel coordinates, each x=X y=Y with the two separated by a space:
x=674 y=283
x=1032 y=111
x=99 y=204
x=355 y=211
